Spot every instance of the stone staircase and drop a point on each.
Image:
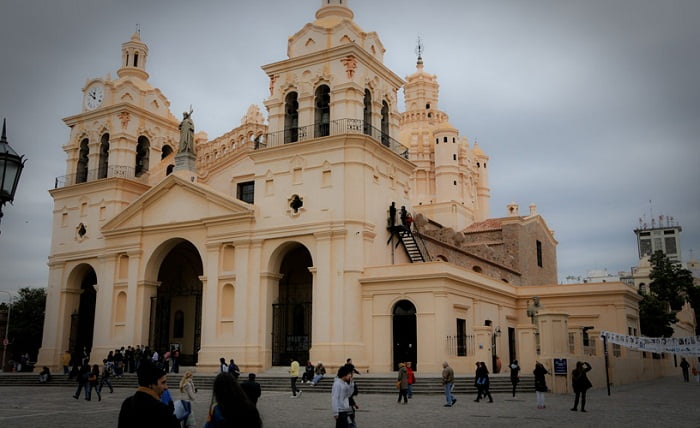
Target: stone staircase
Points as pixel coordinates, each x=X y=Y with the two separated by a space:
x=275 y=379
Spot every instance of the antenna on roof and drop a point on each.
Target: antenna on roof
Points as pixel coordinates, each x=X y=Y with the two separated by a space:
x=138 y=29
x=419 y=50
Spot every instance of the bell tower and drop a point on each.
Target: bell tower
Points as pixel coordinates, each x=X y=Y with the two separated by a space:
x=450 y=183
x=134 y=55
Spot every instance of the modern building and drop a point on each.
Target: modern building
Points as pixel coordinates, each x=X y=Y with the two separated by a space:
x=334 y=226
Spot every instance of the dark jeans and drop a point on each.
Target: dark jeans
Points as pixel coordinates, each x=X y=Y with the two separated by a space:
x=342 y=421
x=109 y=384
x=403 y=393
x=294 y=385
x=483 y=392
x=515 y=384
x=582 y=394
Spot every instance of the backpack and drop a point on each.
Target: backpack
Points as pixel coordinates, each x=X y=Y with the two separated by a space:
x=234 y=370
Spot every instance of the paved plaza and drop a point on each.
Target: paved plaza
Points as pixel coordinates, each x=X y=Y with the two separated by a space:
x=666 y=402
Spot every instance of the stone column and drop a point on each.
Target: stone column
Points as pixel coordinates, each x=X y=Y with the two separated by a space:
x=554 y=343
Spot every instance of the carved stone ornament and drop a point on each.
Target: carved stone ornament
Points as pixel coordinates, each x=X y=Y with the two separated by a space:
x=124 y=117
x=350 y=65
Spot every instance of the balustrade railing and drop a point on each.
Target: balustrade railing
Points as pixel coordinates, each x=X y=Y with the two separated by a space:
x=460 y=346
x=334 y=127
x=111 y=171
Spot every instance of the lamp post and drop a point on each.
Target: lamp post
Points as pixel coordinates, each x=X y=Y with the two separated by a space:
x=11 y=165
x=6 y=341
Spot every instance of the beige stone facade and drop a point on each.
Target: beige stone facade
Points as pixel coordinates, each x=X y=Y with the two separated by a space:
x=276 y=243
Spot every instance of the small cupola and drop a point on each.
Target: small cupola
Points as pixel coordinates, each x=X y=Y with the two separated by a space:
x=334 y=8
x=134 y=54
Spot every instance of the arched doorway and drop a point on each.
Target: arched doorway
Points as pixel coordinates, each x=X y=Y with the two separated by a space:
x=404 y=334
x=176 y=310
x=291 y=313
x=82 y=323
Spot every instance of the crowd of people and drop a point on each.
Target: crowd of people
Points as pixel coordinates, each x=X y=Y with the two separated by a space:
x=235 y=403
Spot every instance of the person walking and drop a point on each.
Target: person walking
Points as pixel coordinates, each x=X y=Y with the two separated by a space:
x=514 y=375
x=144 y=409
x=402 y=382
x=482 y=383
x=183 y=406
x=82 y=379
x=106 y=374
x=252 y=388
x=319 y=371
x=685 y=366
x=581 y=384
x=448 y=381
x=294 y=376
x=340 y=397
x=540 y=383
x=93 y=382
x=231 y=405
x=411 y=379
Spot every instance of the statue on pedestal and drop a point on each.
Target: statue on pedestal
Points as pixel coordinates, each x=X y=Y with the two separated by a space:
x=187 y=133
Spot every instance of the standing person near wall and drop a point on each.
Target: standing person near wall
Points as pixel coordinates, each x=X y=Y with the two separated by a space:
x=684 y=367
x=581 y=384
x=540 y=383
x=223 y=367
x=411 y=379
x=448 y=381
x=514 y=375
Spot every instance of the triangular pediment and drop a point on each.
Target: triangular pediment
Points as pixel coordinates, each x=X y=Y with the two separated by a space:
x=175 y=201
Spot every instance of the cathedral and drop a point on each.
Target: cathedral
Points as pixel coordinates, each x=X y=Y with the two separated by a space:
x=335 y=224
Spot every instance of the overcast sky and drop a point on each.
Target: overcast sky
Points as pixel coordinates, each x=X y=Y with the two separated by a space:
x=588 y=108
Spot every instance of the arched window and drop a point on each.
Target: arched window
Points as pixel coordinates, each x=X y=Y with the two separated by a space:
x=165 y=151
x=368 y=113
x=169 y=169
x=291 y=118
x=385 y=123
x=228 y=294
x=120 y=312
x=142 y=150
x=81 y=172
x=104 y=157
x=323 y=111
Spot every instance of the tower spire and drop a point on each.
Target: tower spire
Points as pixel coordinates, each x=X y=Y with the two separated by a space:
x=419 y=51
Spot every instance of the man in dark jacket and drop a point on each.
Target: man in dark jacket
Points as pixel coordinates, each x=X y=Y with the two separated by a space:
x=144 y=408
x=251 y=388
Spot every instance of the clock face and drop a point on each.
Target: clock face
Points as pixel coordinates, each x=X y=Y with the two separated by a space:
x=94 y=97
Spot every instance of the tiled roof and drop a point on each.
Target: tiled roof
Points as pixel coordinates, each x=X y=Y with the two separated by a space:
x=483 y=226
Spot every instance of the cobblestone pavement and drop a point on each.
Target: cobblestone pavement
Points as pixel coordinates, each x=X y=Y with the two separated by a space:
x=666 y=402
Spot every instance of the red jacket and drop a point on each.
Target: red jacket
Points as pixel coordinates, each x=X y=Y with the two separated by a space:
x=411 y=376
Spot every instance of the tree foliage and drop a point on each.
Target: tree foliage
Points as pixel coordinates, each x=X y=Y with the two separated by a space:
x=27 y=322
x=671 y=286
x=654 y=317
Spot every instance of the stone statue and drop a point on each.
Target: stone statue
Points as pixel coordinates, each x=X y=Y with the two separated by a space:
x=187 y=133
